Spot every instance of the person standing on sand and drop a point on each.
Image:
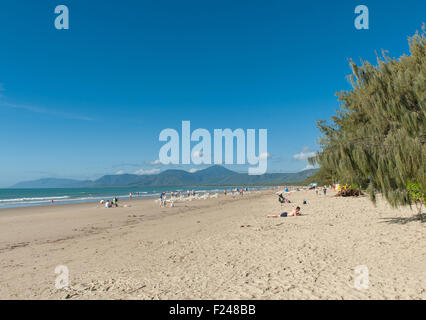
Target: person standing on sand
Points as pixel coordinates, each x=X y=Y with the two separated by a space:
x=324 y=190
x=163 y=199
x=130 y=196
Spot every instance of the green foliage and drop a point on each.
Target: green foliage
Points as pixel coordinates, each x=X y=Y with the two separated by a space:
x=376 y=139
x=416 y=193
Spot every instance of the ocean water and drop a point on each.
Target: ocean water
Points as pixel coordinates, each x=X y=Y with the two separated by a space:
x=10 y=198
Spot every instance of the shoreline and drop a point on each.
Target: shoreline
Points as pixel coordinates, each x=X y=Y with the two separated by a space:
x=65 y=199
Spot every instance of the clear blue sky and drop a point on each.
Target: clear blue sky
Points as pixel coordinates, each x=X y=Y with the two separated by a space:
x=92 y=100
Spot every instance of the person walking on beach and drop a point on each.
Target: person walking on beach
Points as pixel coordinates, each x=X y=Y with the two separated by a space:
x=162 y=199
x=324 y=190
x=130 y=196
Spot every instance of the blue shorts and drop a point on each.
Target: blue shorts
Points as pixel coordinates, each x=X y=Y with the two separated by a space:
x=283 y=215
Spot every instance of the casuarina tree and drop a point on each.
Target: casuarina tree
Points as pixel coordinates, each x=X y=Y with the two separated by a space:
x=376 y=139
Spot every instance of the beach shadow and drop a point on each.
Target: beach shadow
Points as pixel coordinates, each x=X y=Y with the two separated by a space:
x=402 y=220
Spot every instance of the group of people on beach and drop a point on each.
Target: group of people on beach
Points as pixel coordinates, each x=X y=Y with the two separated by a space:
x=163 y=199
x=324 y=190
x=283 y=200
x=173 y=194
x=192 y=193
x=235 y=191
x=296 y=211
x=110 y=203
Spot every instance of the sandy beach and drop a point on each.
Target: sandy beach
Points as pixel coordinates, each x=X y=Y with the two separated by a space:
x=221 y=248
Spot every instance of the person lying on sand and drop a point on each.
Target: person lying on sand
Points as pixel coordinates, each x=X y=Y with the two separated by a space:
x=294 y=213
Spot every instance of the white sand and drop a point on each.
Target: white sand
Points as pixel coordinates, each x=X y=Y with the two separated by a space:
x=214 y=249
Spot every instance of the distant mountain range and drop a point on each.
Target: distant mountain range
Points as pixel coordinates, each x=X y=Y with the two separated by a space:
x=214 y=175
